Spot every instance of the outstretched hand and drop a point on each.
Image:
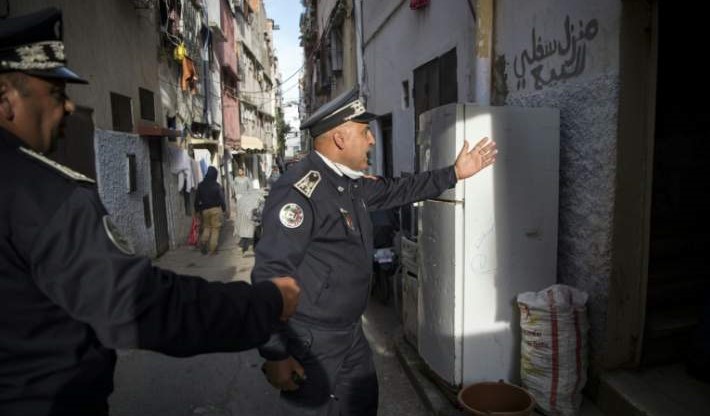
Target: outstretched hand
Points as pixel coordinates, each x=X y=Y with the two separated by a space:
x=468 y=163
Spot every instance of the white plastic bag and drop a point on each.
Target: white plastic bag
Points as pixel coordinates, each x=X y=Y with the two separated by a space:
x=554 y=347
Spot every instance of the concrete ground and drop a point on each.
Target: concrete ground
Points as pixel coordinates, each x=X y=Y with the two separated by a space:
x=152 y=384
x=657 y=391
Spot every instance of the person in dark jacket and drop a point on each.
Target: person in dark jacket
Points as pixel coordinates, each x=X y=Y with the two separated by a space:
x=209 y=204
x=316 y=228
x=72 y=289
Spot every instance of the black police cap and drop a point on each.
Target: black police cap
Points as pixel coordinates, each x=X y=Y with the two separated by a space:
x=33 y=44
x=345 y=107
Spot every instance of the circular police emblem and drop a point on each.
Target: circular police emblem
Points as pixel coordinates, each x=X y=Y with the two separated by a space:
x=291 y=215
x=118 y=240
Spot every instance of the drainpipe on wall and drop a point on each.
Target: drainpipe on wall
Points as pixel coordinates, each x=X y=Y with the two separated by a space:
x=359 y=45
x=483 y=17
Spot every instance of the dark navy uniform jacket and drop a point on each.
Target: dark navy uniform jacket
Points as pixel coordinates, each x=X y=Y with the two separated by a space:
x=317 y=229
x=69 y=295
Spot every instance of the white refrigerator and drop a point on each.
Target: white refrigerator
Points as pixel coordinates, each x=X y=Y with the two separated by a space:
x=491 y=237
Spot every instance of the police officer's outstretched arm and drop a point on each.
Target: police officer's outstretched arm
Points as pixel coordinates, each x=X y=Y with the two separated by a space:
x=383 y=193
x=82 y=263
x=287 y=228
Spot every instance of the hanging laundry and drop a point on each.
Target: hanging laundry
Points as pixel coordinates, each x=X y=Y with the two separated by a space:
x=189 y=76
x=181 y=165
x=173 y=22
x=196 y=172
x=180 y=52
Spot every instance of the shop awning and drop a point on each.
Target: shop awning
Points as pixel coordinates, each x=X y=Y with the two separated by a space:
x=198 y=141
x=250 y=142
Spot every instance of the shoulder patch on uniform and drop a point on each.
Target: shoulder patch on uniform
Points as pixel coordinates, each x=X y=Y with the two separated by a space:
x=61 y=168
x=291 y=215
x=122 y=243
x=307 y=184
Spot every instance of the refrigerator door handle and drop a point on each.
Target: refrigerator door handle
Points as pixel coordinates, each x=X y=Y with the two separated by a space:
x=533 y=233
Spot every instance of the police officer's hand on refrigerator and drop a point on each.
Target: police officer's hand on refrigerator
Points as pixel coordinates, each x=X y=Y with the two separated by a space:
x=468 y=163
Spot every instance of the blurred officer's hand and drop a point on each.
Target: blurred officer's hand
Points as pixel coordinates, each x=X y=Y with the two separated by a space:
x=285 y=374
x=289 y=293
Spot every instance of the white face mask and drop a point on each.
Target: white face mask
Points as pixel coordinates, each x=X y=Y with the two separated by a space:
x=341 y=169
x=350 y=173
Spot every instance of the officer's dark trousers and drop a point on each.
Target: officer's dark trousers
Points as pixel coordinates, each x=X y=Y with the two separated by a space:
x=340 y=373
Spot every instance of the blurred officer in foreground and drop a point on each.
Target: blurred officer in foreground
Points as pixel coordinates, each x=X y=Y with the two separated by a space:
x=71 y=288
x=317 y=229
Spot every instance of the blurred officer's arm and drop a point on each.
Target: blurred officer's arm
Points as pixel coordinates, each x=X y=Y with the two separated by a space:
x=86 y=268
x=287 y=229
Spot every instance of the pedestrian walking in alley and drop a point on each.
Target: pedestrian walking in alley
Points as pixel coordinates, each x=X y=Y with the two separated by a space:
x=275 y=175
x=209 y=204
x=71 y=288
x=317 y=229
x=246 y=221
x=241 y=186
x=241 y=183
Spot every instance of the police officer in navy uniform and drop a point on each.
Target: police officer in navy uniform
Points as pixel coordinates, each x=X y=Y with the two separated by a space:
x=71 y=288
x=317 y=229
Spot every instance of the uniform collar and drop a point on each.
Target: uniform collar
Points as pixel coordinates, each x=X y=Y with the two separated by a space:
x=9 y=140
x=340 y=169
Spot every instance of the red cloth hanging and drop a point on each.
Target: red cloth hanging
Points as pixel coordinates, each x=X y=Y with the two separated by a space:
x=189 y=76
x=418 y=4
x=194 y=236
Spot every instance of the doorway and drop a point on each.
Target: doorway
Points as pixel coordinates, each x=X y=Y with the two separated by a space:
x=157 y=183
x=387 y=146
x=435 y=84
x=678 y=272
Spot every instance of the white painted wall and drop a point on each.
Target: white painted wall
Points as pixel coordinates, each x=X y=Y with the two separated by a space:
x=558 y=26
x=584 y=84
x=397 y=40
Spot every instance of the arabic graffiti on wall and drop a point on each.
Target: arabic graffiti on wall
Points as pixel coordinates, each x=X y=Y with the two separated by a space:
x=555 y=60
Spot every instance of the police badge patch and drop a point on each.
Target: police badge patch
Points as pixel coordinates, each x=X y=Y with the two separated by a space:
x=291 y=215
x=118 y=240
